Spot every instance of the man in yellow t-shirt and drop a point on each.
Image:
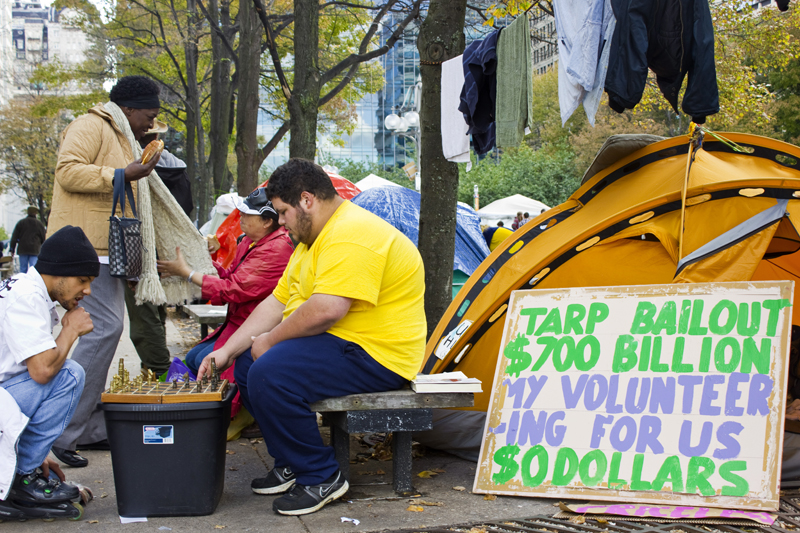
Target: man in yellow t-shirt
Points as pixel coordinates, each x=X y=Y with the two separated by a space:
x=346 y=317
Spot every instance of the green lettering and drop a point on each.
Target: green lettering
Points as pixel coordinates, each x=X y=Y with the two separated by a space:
x=636 y=476
x=751 y=355
x=755 y=322
x=655 y=363
x=572 y=321
x=667 y=319
x=624 y=354
x=509 y=467
x=644 y=357
x=614 y=481
x=686 y=313
x=670 y=472
x=583 y=363
x=565 y=467
x=774 y=307
x=644 y=318
x=598 y=311
x=539 y=453
x=700 y=469
x=597 y=457
x=705 y=355
x=697 y=316
x=677 y=357
x=740 y=486
x=719 y=354
x=532 y=313
x=713 y=319
x=551 y=324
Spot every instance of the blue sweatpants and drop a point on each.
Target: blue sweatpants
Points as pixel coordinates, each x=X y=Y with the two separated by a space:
x=279 y=386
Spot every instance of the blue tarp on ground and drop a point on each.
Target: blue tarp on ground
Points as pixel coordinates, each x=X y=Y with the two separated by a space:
x=400 y=208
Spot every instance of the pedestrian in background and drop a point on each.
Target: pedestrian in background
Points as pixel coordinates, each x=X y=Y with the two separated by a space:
x=27 y=239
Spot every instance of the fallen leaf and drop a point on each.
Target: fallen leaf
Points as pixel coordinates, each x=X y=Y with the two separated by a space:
x=243 y=444
x=415 y=508
x=232 y=469
x=430 y=504
x=103 y=495
x=380 y=472
x=601 y=520
x=459 y=488
x=220 y=527
x=427 y=474
x=477 y=530
x=230 y=452
x=578 y=519
x=439 y=470
x=490 y=497
x=94 y=521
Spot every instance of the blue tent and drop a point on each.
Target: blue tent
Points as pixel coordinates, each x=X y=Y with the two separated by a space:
x=400 y=208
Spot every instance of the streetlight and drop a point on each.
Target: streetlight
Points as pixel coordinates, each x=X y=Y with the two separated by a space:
x=399 y=126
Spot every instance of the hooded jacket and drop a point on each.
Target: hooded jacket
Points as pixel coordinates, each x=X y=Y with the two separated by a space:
x=92 y=147
x=671 y=37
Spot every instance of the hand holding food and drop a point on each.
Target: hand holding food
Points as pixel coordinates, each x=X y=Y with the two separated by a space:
x=153 y=148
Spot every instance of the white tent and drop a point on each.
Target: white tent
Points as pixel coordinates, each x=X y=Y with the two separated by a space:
x=372 y=181
x=506 y=209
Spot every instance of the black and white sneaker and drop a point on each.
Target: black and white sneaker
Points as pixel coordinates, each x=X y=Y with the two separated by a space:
x=278 y=481
x=304 y=500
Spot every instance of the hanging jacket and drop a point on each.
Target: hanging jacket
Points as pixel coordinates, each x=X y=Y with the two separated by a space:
x=172 y=172
x=12 y=422
x=479 y=92
x=671 y=37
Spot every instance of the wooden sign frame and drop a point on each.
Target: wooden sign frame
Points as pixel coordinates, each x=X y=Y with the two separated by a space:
x=644 y=448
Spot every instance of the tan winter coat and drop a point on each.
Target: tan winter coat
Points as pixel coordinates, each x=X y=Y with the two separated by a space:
x=92 y=147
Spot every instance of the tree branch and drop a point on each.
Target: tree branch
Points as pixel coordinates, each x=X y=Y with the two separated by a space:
x=273 y=50
x=219 y=32
x=270 y=146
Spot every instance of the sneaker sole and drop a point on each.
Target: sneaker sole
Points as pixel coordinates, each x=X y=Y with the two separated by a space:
x=336 y=495
x=278 y=489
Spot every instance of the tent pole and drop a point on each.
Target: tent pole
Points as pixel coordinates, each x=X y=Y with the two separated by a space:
x=695 y=142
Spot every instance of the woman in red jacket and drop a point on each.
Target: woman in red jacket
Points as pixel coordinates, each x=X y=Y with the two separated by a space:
x=261 y=257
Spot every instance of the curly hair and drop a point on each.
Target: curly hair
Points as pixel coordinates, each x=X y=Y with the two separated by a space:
x=297 y=175
x=130 y=87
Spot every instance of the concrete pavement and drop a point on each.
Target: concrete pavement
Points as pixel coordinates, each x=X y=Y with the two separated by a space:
x=371 y=499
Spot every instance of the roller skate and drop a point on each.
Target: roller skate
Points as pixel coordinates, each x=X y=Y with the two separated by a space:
x=33 y=496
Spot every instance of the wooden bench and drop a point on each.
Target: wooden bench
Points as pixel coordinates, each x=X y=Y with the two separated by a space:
x=205 y=315
x=398 y=412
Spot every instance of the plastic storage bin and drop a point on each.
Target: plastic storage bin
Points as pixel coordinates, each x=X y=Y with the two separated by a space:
x=168 y=459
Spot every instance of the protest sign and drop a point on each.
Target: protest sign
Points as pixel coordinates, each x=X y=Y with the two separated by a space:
x=655 y=394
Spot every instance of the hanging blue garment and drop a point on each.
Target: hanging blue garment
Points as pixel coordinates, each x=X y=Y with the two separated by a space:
x=480 y=91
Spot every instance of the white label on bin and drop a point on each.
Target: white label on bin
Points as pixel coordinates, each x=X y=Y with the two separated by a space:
x=159 y=434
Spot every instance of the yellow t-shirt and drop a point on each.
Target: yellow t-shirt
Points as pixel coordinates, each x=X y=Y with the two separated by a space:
x=359 y=255
x=499 y=236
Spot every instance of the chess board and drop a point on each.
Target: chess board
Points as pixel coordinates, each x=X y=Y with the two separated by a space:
x=178 y=392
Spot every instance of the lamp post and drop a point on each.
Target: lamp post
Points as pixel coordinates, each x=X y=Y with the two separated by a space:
x=407 y=125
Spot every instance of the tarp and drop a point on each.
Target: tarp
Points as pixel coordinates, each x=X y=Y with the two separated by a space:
x=229 y=230
x=505 y=209
x=373 y=180
x=400 y=208
x=622 y=227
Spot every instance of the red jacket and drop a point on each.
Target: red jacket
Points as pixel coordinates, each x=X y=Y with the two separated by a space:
x=250 y=279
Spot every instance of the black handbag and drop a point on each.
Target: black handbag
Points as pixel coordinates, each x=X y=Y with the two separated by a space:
x=124 y=234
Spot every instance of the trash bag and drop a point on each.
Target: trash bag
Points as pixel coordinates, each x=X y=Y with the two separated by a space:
x=177 y=369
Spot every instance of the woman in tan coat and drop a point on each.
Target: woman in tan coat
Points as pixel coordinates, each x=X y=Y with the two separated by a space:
x=92 y=149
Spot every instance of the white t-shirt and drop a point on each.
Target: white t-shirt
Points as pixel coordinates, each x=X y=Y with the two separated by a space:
x=27 y=318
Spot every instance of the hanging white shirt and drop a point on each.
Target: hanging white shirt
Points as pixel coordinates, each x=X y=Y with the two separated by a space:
x=27 y=319
x=455 y=140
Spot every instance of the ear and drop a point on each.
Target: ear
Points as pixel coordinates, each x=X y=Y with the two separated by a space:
x=307 y=200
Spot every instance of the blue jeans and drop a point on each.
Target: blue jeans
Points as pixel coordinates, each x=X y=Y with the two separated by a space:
x=27 y=261
x=279 y=386
x=49 y=407
x=197 y=354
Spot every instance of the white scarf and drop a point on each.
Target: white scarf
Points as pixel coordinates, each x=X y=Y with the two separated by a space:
x=165 y=226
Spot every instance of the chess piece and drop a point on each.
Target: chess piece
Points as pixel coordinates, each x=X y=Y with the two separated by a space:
x=174 y=383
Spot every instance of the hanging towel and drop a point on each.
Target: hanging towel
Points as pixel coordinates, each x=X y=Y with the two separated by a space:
x=455 y=139
x=480 y=90
x=584 y=28
x=165 y=226
x=514 y=106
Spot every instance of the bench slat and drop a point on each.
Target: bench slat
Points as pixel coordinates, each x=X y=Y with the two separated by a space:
x=400 y=399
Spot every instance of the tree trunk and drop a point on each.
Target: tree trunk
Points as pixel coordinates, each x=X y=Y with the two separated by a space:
x=190 y=49
x=220 y=97
x=303 y=105
x=441 y=37
x=247 y=150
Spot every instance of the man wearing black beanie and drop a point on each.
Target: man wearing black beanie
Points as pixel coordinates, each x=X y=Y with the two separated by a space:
x=36 y=377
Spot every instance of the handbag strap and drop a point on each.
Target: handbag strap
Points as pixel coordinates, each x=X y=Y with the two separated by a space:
x=119 y=196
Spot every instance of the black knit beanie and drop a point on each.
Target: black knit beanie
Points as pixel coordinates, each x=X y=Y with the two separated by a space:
x=68 y=252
